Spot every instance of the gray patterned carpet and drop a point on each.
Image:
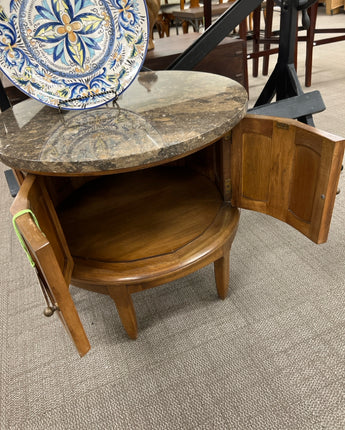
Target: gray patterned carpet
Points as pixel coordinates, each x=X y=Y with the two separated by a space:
x=271 y=356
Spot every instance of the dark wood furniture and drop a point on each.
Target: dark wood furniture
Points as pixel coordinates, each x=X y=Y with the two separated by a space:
x=195 y=15
x=311 y=42
x=13 y=94
x=265 y=41
x=227 y=59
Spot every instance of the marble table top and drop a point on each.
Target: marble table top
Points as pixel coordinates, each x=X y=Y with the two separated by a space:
x=162 y=116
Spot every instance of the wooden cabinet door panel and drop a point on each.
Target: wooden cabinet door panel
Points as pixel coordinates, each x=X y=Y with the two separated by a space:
x=47 y=246
x=288 y=170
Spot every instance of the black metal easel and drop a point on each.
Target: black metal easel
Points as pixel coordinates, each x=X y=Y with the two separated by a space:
x=283 y=82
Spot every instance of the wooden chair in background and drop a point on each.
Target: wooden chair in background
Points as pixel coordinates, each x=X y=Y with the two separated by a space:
x=195 y=15
x=263 y=37
x=311 y=42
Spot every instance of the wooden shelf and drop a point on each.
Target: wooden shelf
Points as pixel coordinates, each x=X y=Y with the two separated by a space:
x=146 y=226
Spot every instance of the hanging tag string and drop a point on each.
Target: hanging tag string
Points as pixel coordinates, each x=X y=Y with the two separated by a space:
x=20 y=237
x=51 y=305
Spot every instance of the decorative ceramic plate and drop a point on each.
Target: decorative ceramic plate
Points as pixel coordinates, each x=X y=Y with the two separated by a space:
x=73 y=54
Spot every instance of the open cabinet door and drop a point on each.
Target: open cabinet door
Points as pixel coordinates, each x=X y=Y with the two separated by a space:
x=288 y=170
x=42 y=236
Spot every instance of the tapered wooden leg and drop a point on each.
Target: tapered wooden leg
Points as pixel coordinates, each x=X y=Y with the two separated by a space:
x=125 y=308
x=222 y=274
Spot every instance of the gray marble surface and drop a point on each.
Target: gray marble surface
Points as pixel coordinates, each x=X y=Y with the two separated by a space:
x=163 y=115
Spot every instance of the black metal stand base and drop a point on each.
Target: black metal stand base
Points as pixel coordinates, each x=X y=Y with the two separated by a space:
x=283 y=82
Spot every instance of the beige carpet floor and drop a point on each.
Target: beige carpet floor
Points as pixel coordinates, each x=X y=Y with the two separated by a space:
x=271 y=356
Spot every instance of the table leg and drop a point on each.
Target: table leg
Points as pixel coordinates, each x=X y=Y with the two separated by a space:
x=222 y=273
x=125 y=308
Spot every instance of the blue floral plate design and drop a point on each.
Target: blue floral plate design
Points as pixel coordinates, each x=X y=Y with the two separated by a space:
x=73 y=54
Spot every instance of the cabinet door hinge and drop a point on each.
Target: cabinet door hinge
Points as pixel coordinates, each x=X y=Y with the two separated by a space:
x=227 y=189
x=282 y=125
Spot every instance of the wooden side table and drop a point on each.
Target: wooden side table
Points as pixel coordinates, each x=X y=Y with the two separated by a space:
x=139 y=195
x=139 y=192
